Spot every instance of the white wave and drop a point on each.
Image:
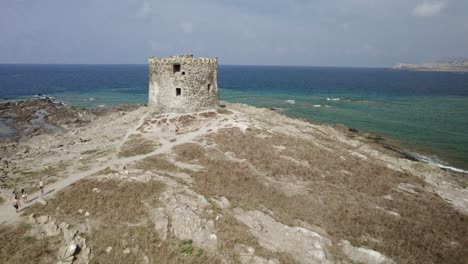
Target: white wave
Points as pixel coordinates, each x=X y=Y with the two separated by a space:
x=321 y=106
x=333 y=99
x=290 y=101
x=436 y=162
x=102 y=105
x=91 y=99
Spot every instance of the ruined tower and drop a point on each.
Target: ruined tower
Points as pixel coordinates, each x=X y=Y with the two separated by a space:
x=183 y=83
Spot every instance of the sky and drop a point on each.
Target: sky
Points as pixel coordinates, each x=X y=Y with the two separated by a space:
x=360 y=33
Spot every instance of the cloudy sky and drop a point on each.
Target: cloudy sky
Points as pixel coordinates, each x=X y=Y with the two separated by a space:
x=274 y=32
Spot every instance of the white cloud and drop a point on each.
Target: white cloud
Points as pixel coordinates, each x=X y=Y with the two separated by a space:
x=187 y=27
x=428 y=9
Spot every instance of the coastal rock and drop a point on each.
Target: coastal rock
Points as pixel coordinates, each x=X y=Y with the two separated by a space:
x=42 y=219
x=222 y=202
x=160 y=220
x=303 y=244
x=51 y=229
x=363 y=255
x=247 y=256
x=185 y=210
x=70 y=251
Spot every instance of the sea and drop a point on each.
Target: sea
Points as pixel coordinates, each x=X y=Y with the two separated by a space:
x=426 y=113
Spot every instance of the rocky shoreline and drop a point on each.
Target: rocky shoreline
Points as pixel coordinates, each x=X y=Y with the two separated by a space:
x=238 y=184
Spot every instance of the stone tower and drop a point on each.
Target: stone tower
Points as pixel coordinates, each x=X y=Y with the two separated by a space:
x=183 y=83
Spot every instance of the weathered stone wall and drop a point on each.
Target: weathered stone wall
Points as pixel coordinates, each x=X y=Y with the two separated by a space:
x=197 y=81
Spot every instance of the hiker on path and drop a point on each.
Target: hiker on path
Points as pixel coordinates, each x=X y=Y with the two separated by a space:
x=24 y=195
x=177 y=130
x=41 y=185
x=15 y=203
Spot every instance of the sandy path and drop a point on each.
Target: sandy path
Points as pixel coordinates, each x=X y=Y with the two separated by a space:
x=9 y=216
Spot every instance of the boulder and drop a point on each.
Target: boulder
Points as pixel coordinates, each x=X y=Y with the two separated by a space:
x=363 y=255
x=305 y=245
x=108 y=249
x=51 y=229
x=42 y=219
x=185 y=209
x=161 y=221
x=69 y=251
x=222 y=202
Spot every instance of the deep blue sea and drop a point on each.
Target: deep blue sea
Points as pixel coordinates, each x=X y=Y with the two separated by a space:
x=427 y=112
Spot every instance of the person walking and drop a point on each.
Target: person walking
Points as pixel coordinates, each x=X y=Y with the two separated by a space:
x=15 y=203
x=24 y=195
x=41 y=186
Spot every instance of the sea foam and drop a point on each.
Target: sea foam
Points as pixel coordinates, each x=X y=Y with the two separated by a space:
x=436 y=162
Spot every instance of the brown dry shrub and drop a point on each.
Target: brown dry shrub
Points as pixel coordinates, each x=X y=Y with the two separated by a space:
x=208 y=114
x=232 y=232
x=162 y=121
x=155 y=163
x=142 y=241
x=428 y=231
x=223 y=111
x=189 y=151
x=184 y=120
x=120 y=220
x=137 y=146
x=19 y=248
x=116 y=202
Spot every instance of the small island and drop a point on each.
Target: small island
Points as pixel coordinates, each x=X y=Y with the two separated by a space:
x=450 y=65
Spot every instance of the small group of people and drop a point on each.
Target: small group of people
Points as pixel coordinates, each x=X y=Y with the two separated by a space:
x=16 y=201
x=24 y=195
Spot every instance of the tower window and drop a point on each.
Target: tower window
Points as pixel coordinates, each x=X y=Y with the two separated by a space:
x=176 y=68
x=178 y=91
x=209 y=87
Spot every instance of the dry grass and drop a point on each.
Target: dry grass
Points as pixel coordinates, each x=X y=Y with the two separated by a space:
x=117 y=201
x=89 y=152
x=223 y=111
x=189 y=151
x=137 y=145
x=105 y=171
x=232 y=232
x=183 y=120
x=29 y=178
x=120 y=220
x=155 y=163
x=142 y=242
x=19 y=248
x=343 y=203
x=208 y=114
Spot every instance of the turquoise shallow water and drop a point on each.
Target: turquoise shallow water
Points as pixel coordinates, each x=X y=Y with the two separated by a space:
x=427 y=112
x=436 y=127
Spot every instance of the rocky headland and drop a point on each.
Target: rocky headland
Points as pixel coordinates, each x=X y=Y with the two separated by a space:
x=237 y=184
x=452 y=65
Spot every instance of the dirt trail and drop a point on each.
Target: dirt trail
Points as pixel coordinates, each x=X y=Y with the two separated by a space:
x=8 y=214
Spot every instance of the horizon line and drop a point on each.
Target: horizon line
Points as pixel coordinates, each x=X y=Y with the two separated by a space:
x=244 y=65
